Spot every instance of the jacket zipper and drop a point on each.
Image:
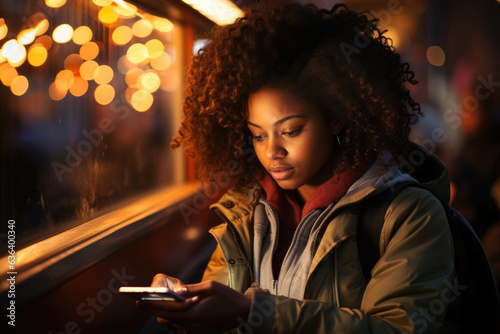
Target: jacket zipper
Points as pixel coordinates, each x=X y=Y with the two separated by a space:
x=330 y=217
x=239 y=243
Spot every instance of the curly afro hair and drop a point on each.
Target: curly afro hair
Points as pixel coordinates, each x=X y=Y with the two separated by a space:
x=337 y=59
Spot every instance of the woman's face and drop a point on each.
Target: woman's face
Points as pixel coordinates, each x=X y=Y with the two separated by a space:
x=292 y=139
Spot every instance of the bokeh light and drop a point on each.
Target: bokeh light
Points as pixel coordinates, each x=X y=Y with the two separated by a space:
x=122 y=35
x=124 y=65
x=39 y=23
x=57 y=93
x=8 y=74
x=142 y=28
x=37 y=55
x=103 y=74
x=82 y=35
x=132 y=76
x=149 y=81
x=108 y=15
x=79 y=87
x=13 y=51
x=435 y=55
x=89 y=51
x=104 y=94
x=155 y=48
x=141 y=100
x=62 y=33
x=19 y=85
x=137 y=53
x=55 y=3
x=162 y=24
x=161 y=63
x=87 y=69
x=26 y=36
x=3 y=29
x=102 y=3
x=64 y=80
x=125 y=10
x=73 y=62
x=44 y=40
x=129 y=92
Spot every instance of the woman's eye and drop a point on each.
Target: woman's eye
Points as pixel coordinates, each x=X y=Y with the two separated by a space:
x=293 y=133
x=258 y=138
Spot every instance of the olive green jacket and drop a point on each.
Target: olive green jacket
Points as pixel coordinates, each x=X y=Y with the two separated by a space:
x=411 y=284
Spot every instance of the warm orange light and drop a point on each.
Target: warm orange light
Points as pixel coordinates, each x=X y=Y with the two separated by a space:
x=37 y=55
x=26 y=36
x=87 y=69
x=435 y=55
x=89 y=51
x=3 y=29
x=132 y=76
x=124 y=65
x=125 y=10
x=79 y=87
x=155 y=48
x=122 y=35
x=2 y=58
x=170 y=79
x=137 y=53
x=39 y=23
x=18 y=62
x=103 y=74
x=82 y=35
x=102 y=3
x=73 y=62
x=149 y=81
x=142 y=100
x=104 y=94
x=63 y=33
x=13 y=51
x=55 y=3
x=8 y=74
x=45 y=40
x=56 y=93
x=129 y=92
x=108 y=15
x=142 y=28
x=162 y=62
x=19 y=85
x=64 y=80
x=162 y=24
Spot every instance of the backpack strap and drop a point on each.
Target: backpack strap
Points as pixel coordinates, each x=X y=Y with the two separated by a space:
x=370 y=223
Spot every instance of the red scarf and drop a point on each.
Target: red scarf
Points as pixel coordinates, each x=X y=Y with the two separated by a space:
x=289 y=211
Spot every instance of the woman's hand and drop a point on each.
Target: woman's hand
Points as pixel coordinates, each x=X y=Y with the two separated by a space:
x=210 y=307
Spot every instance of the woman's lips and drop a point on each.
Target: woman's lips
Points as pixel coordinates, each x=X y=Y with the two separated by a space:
x=281 y=173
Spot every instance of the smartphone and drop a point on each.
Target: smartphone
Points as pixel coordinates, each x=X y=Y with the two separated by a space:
x=148 y=293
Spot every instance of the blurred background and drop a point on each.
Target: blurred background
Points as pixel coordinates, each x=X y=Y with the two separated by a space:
x=91 y=96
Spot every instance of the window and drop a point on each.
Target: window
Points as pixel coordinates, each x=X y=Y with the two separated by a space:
x=91 y=96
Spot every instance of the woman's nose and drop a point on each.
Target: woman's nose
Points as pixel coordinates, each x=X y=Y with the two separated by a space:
x=275 y=149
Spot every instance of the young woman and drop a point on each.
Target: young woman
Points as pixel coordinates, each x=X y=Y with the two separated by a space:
x=310 y=112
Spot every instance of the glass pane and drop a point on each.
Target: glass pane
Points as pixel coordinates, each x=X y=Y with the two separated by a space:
x=91 y=96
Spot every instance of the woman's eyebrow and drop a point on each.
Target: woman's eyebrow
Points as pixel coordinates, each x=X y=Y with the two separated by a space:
x=278 y=122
